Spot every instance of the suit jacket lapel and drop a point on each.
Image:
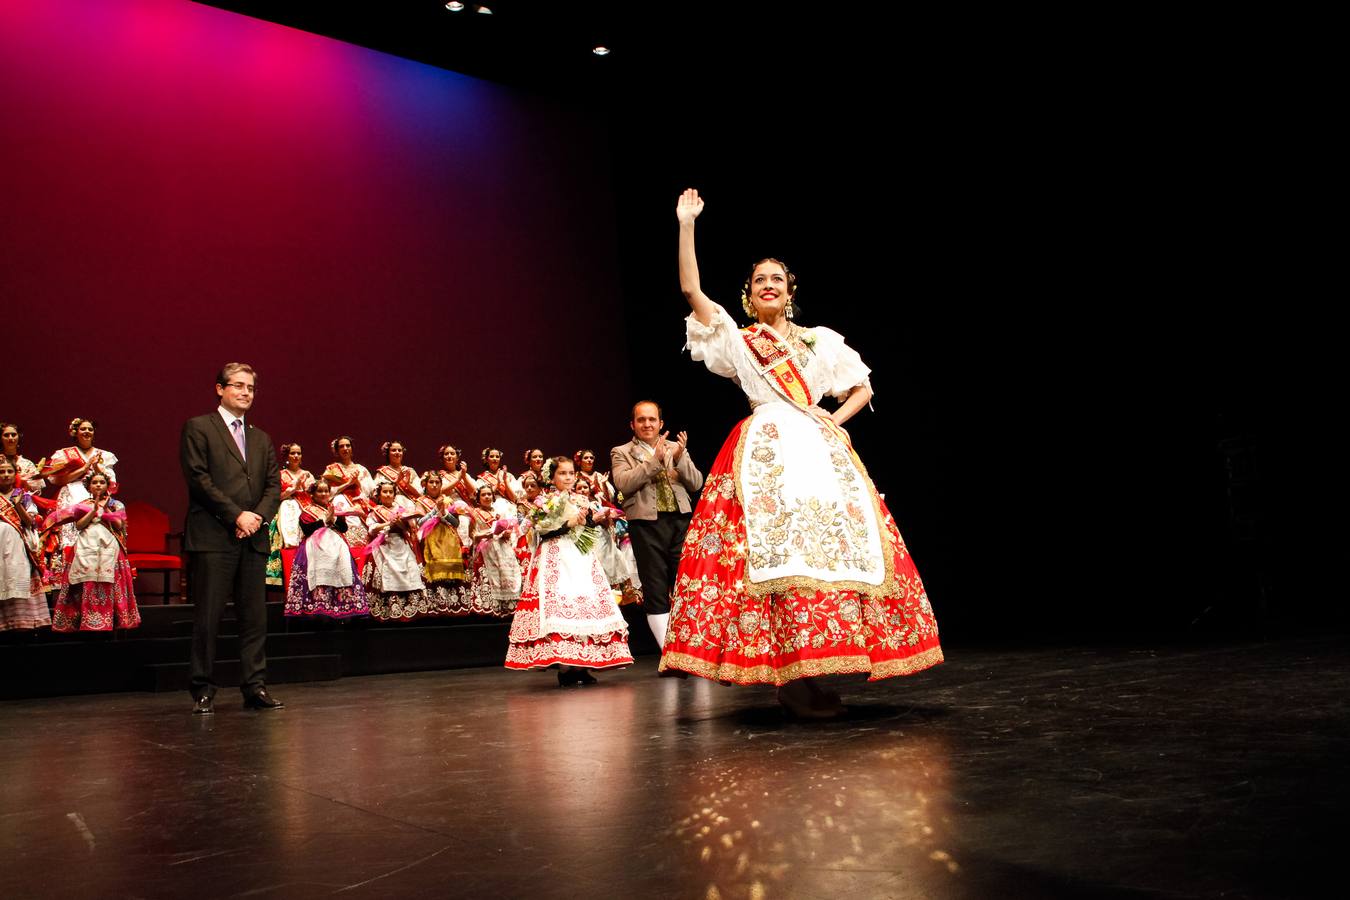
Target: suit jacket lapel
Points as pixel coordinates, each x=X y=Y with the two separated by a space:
x=229 y=438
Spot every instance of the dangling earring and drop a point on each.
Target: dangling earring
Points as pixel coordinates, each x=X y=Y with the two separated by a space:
x=788 y=313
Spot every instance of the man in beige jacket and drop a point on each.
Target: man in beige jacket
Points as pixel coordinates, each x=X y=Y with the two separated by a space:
x=656 y=477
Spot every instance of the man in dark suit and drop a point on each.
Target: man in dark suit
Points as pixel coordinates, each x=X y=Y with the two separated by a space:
x=234 y=488
x=656 y=477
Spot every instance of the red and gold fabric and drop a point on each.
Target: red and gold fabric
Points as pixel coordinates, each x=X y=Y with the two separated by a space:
x=9 y=516
x=401 y=479
x=500 y=482
x=720 y=629
x=460 y=483
x=776 y=360
x=337 y=473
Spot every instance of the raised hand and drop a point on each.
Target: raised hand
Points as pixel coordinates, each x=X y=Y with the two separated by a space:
x=688 y=207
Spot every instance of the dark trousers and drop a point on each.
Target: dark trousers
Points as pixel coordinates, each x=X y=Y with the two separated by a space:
x=656 y=548
x=213 y=578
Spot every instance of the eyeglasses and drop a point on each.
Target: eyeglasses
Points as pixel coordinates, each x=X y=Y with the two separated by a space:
x=241 y=386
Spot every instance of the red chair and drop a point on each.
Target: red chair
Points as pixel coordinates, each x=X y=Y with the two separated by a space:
x=148 y=539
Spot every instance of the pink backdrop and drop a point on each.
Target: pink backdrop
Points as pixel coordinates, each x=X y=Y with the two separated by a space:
x=399 y=250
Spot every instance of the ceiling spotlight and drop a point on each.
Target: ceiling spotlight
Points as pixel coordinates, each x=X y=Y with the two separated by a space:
x=455 y=6
x=483 y=10
x=602 y=50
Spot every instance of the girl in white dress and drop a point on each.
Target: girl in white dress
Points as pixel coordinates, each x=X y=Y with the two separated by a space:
x=567 y=616
x=96 y=590
x=495 y=587
x=393 y=577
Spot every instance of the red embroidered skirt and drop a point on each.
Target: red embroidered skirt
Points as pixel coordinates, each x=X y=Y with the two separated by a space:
x=721 y=631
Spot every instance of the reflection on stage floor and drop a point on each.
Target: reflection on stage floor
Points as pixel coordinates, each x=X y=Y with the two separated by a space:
x=1068 y=772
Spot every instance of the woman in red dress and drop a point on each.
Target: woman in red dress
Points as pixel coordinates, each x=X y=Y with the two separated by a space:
x=793 y=567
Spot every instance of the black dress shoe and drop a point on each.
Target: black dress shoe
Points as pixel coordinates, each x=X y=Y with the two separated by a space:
x=567 y=677
x=262 y=700
x=203 y=706
x=672 y=673
x=583 y=677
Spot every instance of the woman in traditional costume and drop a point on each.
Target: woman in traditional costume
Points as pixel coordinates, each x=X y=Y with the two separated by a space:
x=96 y=590
x=23 y=605
x=793 y=567
x=505 y=486
x=615 y=549
x=296 y=485
x=531 y=487
x=567 y=616
x=324 y=579
x=442 y=554
x=28 y=479
x=68 y=469
x=601 y=487
x=393 y=578
x=25 y=470
x=534 y=464
x=404 y=478
x=495 y=588
x=458 y=484
x=350 y=480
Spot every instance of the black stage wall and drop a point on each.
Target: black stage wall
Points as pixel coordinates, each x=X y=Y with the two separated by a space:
x=1103 y=402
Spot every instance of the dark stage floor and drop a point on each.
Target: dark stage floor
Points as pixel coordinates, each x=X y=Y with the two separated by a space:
x=1180 y=772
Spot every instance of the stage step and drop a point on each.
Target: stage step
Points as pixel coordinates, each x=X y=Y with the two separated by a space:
x=175 y=676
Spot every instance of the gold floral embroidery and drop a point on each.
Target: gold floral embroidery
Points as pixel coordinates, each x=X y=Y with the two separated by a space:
x=806 y=668
x=825 y=536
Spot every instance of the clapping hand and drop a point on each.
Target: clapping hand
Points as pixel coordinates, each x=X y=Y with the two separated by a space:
x=682 y=444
